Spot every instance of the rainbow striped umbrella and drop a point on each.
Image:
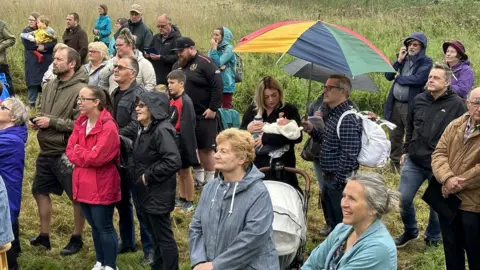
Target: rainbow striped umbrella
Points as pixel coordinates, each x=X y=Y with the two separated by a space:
x=328 y=45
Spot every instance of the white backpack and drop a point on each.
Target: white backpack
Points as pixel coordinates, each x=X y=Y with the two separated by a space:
x=375 y=144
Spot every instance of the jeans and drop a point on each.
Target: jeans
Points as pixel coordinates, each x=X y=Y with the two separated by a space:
x=165 y=248
x=399 y=118
x=100 y=218
x=127 y=226
x=333 y=198
x=321 y=182
x=33 y=91
x=460 y=237
x=412 y=177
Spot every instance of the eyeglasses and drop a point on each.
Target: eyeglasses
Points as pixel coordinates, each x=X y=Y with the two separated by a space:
x=83 y=99
x=121 y=68
x=160 y=26
x=119 y=45
x=413 y=44
x=4 y=108
x=330 y=87
x=32 y=20
x=140 y=105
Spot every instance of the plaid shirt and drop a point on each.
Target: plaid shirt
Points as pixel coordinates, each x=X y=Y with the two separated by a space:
x=339 y=156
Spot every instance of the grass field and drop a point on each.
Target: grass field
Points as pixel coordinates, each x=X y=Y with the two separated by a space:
x=385 y=23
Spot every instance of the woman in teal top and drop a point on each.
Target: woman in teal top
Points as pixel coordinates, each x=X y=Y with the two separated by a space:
x=103 y=26
x=222 y=54
x=362 y=241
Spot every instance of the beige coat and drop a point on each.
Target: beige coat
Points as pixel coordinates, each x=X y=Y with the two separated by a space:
x=454 y=156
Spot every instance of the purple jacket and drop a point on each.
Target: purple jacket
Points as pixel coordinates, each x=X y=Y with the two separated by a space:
x=464 y=79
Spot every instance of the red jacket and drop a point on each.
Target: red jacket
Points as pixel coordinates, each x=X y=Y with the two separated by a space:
x=95 y=178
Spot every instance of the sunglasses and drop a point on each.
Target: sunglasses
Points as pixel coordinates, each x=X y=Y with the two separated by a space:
x=140 y=105
x=82 y=99
x=121 y=68
x=413 y=45
x=330 y=87
x=159 y=26
x=4 y=108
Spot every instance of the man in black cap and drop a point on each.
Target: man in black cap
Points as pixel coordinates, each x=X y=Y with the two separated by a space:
x=205 y=87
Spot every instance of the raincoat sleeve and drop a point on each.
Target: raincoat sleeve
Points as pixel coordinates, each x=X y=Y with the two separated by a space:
x=390 y=76
x=106 y=29
x=8 y=38
x=169 y=163
x=318 y=257
x=195 y=233
x=130 y=130
x=465 y=81
x=419 y=78
x=257 y=230
x=222 y=59
x=105 y=150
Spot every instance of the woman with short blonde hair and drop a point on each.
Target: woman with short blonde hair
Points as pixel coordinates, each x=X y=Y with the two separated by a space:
x=97 y=56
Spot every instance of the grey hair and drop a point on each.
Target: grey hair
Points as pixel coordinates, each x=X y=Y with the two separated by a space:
x=448 y=71
x=133 y=63
x=18 y=111
x=168 y=18
x=469 y=95
x=344 y=83
x=379 y=198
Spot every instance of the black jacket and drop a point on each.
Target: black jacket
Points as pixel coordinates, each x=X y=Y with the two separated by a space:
x=164 y=65
x=187 y=138
x=124 y=111
x=204 y=83
x=77 y=39
x=142 y=32
x=290 y=112
x=426 y=121
x=155 y=156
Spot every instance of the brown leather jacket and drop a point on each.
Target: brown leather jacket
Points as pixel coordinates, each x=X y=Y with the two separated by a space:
x=455 y=156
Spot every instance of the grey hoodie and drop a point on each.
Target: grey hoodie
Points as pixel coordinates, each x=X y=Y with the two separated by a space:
x=232 y=226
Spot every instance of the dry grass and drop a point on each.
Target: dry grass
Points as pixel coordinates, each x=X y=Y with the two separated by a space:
x=385 y=23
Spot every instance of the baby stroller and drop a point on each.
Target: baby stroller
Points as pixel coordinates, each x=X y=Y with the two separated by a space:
x=290 y=215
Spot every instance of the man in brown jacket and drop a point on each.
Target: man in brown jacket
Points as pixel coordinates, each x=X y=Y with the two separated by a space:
x=456 y=165
x=75 y=37
x=53 y=171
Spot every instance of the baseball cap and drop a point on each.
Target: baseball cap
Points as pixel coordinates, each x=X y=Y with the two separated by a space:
x=183 y=43
x=136 y=8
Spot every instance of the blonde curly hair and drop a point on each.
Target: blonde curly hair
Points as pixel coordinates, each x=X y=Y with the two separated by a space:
x=242 y=144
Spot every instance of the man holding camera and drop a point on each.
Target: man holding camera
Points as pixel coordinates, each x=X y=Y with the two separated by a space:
x=412 y=68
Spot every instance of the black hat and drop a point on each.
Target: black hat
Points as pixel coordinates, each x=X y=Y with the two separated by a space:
x=183 y=43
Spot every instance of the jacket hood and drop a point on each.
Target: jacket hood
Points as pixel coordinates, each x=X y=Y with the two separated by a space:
x=227 y=37
x=138 y=55
x=460 y=65
x=175 y=31
x=158 y=104
x=418 y=36
x=103 y=17
x=447 y=95
x=16 y=131
x=80 y=76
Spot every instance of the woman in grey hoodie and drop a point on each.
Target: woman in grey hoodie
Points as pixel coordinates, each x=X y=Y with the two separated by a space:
x=232 y=225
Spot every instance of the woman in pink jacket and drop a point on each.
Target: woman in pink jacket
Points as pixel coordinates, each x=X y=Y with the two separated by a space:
x=94 y=149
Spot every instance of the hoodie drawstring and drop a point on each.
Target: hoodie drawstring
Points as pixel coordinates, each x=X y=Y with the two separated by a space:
x=215 y=195
x=233 y=199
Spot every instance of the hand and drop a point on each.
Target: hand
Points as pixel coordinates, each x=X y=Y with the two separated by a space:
x=319 y=114
x=223 y=67
x=95 y=31
x=402 y=54
x=258 y=142
x=31 y=38
x=209 y=114
x=373 y=116
x=41 y=48
x=32 y=125
x=402 y=159
x=146 y=55
x=213 y=44
x=255 y=127
x=452 y=185
x=204 y=266
x=155 y=56
x=307 y=126
x=143 y=179
x=42 y=122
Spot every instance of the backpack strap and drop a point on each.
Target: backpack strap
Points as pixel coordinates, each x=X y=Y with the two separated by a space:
x=343 y=116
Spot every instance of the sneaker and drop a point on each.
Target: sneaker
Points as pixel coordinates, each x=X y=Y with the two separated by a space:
x=98 y=266
x=325 y=231
x=188 y=207
x=41 y=240
x=432 y=243
x=122 y=249
x=147 y=259
x=404 y=239
x=179 y=203
x=73 y=246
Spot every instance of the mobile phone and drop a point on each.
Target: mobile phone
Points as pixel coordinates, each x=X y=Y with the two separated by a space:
x=32 y=119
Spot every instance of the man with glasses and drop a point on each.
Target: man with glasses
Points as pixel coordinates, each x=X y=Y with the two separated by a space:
x=205 y=87
x=53 y=171
x=124 y=96
x=428 y=116
x=139 y=29
x=160 y=52
x=412 y=68
x=339 y=152
x=455 y=164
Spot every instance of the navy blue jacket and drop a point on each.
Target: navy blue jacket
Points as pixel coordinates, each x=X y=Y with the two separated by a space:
x=422 y=65
x=33 y=70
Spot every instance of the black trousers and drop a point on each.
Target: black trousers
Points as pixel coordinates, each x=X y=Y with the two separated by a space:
x=460 y=237
x=4 y=69
x=164 y=246
x=332 y=197
x=15 y=250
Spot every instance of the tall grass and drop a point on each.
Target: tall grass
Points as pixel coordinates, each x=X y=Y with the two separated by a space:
x=384 y=22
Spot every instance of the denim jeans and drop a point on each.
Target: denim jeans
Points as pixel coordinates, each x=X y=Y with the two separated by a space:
x=127 y=226
x=33 y=91
x=411 y=179
x=100 y=218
